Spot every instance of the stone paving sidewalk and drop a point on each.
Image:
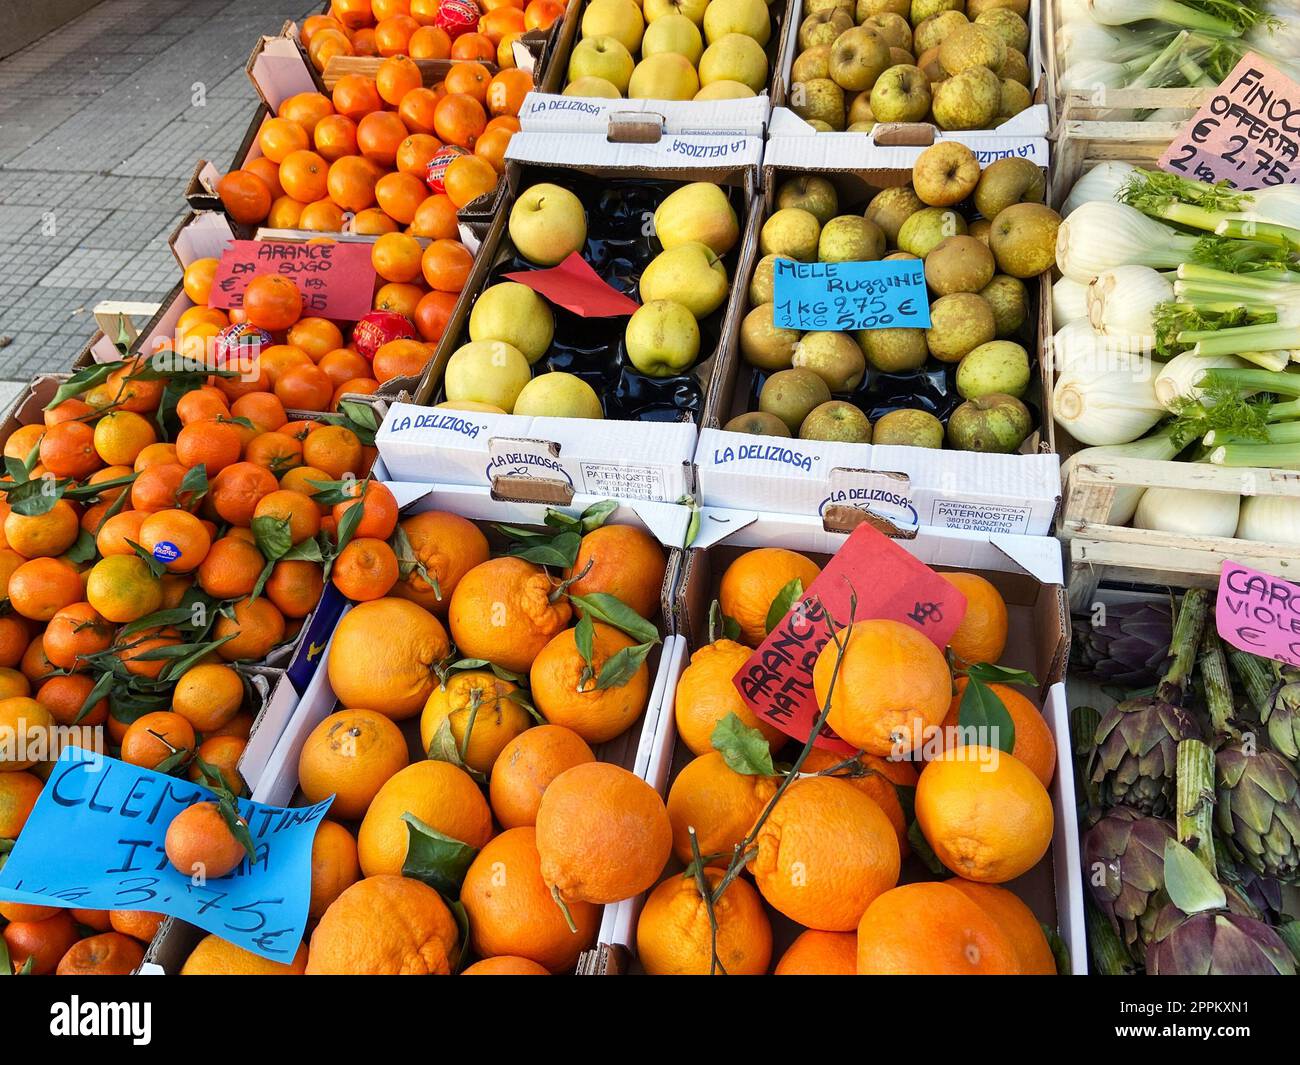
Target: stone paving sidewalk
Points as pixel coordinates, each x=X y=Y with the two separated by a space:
x=101 y=123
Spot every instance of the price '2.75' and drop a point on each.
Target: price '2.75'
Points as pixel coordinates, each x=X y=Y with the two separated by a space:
x=845 y=312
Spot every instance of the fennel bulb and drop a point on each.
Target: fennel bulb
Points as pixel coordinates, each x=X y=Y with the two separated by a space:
x=1082 y=40
x=1122 y=303
x=1077 y=346
x=1100 y=235
x=1272 y=519
x=1180 y=379
x=1103 y=182
x=1111 y=404
x=1069 y=301
x=1122 y=12
x=1089 y=75
x=1158 y=446
x=1191 y=511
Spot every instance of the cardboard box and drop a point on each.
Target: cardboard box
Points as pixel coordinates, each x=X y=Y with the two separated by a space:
x=1032 y=122
x=904 y=487
x=1026 y=570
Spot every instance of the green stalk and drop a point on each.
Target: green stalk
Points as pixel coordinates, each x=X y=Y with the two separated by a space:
x=1213 y=665
x=1194 y=817
x=1183 y=645
x=1278 y=433
x=1214 y=276
x=1280 y=412
x=1260 y=456
x=1186 y=214
x=1083 y=738
x=1251 y=229
x=1105 y=948
x=1257 y=678
x=1282 y=384
x=1251 y=337
x=1273 y=361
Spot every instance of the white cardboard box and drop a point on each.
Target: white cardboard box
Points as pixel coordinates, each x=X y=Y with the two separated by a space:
x=553 y=113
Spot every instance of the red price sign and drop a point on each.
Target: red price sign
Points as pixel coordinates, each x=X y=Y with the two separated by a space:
x=336 y=279
x=776 y=683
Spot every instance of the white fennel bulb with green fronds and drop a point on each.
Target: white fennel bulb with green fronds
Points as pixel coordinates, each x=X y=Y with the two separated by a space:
x=1103 y=182
x=1190 y=511
x=1156 y=447
x=1122 y=302
x=1270 y=519
x=1125 y=12
x=1179 y=380
x=1111 y=402
x=1069 y=301
x=1099 y=236
x=1077 y=346
x=1083 y=39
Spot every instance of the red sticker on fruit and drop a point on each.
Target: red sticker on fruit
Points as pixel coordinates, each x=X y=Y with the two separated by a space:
x=777 y=681
x=576 y=287
x=436 y=168
x=336 y=278
x=377 y=328
x=457 y=17
x=1259 y=613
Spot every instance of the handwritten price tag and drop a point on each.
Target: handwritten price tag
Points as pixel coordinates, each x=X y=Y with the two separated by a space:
x=859 y=295
x=94 y=841
x=1259 y=613
x=776 y=683
x=1247 y=134
x=336 y=279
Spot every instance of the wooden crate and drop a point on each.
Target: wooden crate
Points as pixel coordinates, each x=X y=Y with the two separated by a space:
x=1098 y=550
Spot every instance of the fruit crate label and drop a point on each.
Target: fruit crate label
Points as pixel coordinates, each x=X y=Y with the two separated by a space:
x=1259 y=613
x=621 y=480
x=889 y=583
x=94 y=841
x=851 y=295
x=1247 y=133
x=980 y=517
x=336 y=278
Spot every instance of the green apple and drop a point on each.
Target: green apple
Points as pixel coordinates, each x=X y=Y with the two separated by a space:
x=700 y=212
x=726 y=90
x=547 y=223
x=516 y=314
x=791 y=233
x=928 y=228
x=792 y=395
x=689 y=274
x=665 y=76
x=602 y=57
x=749 y=17
x=694 y=10
x=765 y=344
x=673 y=33
x=662 y=338
x=558 y=395
x=757 y=423
x=487 y=371
x=620 y=19
x=593 y=87
x=735 y=57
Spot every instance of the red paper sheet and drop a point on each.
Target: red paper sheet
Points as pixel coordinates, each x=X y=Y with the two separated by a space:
x=1259 y=613
x=776 y=682
x=576 y=287
x=336 y=279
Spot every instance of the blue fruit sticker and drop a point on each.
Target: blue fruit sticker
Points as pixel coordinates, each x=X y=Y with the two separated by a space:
x=166 y=551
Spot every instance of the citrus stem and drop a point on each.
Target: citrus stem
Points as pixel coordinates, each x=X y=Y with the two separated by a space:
x=564 y=909
x=563 y=587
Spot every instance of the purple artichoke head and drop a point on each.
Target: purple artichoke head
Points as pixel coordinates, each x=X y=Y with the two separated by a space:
x=1127 y=645
x=1216 y=943
x=1124 y=868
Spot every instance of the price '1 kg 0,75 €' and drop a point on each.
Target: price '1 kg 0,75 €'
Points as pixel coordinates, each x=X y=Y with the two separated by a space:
x=889 y=294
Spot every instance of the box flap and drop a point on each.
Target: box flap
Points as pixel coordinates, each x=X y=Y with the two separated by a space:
x=548 y=113
x=795 y=145
x=674 y=154
x=278 y=71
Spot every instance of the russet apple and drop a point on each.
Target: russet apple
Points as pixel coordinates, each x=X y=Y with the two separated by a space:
x=735 y=57
x=969 y=100
x=930 y=33
x=972 y=46
x=700 y=212
x=823 y=28
x=558 y=395
x=850 y=238
x=813 y=193
x=620 y=19
x=836 y=421
x=945 y=174
x=818 y=101
x=665 y=76
x=814 y=62
x=834 y=357
x=547 y=223
x=487 y=371
x=602 y=57
x=858 y=57
x=516 y=314
x=791 y=233
x=662 y=338
x=690 y=274
x=901 y=94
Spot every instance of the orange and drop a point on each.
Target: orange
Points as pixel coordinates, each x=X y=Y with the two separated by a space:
x=129 y=391
x=209 y=443
x=893 y=686
x=622 y=561
x=272 y=302
x=817 y=953
x=361 y=386
x=492 y=147
x=932 y=930
x=354 y=14
x=1033 y=743
x=159 y=488
x=429 y=42
x=154 y=737
x=323 y=216
x=398 y=297
x=231 y=568
x=340 y=366
x=158 y=454
x=122 y=588
x=876 y=777
x=21 y=911
x=506 y=91
x=706 y=695
x=14 y=638
x=505 y=965
x=505 y=50
x=208 y=696
x=269 y=172
x=245 y=197
x=447 y=547
x=22 y=441
x=18 y=794
x=256 y=627
x=525 y=768
x=564 y=688
x=109 y=954
x=459 y=119
x=350 y=755
x=446 y=265
x=274 y=451
x=266 y=412
x=221 y=753
x=214 y=956
x=74 y=633
x=280 y=136
x=400 y=195
x=304 y=175
x=315 y=336
x=236 y=490
x=24 y=731
x=176 y=538
x=334 y=449
x=311 y=26
x=472 y=46
x=603 y=834
x=401 y=358
x=754 y=580
x=511 y=911
x=12 y=683
x=393 y=35
x=35 y=666
x=334 y=866
x=481 y=715
x=985 y=814
x=1017 y=922
x=138 y=924
x=335 y=136
x=96 y=919
x=500 y=21
x=355 y=96
x=39 y=589
x=719 y=803
x=541 y=14
x=138 y=651
x=440 y=794
x=64 y=697
x=295 y=587
x=74 y=409
x=120 y=436
x=674 y=936
x=501 y=611
x=198 y=842
x=42 y=943
x=414 y=153
x=68 y=450
x=435 y=218
x=395 y=77
x=982 y=634
x=469 y=177
x=824 y=852
x=396 y=257
x=425 y=12
x=378 y=509
x=433 y=313
x=293 y=509
x=197 y=280
x=385 y=925
x=366 y=569
x=379 y=135
x=306 y=109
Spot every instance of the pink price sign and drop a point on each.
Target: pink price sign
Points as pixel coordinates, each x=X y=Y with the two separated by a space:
x=335 y=278
x=1247 y=133
x=1259 y=613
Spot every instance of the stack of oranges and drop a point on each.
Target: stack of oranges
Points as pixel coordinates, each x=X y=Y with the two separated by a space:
x=45 y=940
x=412 y=27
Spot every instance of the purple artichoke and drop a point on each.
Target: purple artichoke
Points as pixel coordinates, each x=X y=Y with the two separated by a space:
x=1128 y=648
x=1124 y=868
x=1216 y=943
x=1258 y=810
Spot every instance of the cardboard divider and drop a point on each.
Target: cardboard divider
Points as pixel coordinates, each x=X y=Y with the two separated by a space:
x=1027 y=572
x=944 y=488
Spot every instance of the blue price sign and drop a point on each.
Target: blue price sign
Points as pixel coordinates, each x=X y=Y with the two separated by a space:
x=845 y=296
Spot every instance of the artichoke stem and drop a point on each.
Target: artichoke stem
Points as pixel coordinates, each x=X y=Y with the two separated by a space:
x=1195 y=805
x=1083 y=736
x=1184 y=645
x=1218 y=688
x=1257 y=679
x=1109 y=958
